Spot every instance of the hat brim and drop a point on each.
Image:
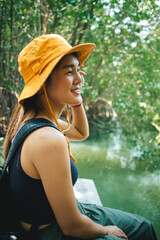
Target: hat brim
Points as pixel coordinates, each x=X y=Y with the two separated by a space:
x=36 y=83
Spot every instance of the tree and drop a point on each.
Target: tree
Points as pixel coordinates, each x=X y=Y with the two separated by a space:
x=123 y=69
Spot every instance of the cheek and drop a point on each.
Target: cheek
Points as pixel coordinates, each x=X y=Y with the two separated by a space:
x=59 y=85
x=65 y=83
x=68 y=84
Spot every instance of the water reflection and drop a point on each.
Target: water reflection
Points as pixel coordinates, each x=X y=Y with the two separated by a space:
x=120 y=171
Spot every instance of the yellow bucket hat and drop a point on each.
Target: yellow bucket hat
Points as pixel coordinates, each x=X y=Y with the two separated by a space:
x=41 y=55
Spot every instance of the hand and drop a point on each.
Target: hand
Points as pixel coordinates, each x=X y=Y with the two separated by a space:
x=77 y=105
x=115 y=231
x=82 y=73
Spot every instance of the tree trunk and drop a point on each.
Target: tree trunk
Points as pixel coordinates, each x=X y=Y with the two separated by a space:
x=85 y=25
x=39 y=18
x=46 y=20
x=55 y=18
x=1 y=26
x=78 y=20
x=74 y=34
x=11 y=30
x=3 y=59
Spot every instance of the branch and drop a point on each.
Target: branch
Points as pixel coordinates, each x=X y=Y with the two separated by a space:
x=156 y=126
x=55 y=18
x=46 y=20
x=1 y=154
x=73 y=35
x=39 y=17
x=11 y=29
x=85 y=25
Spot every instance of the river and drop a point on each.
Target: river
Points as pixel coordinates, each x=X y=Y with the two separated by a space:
x=126 y=172
x=125 y=177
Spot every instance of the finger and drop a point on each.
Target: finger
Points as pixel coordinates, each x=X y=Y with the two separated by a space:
x=120 y=235
x=82 y=73
x=82 y=79
x=123 y=236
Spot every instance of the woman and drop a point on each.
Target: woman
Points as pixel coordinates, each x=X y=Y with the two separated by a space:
x=42 y=166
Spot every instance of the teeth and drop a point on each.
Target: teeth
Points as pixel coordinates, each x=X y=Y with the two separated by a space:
x=77 y=90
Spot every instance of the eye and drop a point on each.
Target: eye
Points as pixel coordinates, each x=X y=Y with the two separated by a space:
x=69 y=72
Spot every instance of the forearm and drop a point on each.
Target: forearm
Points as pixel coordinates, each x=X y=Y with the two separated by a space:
x=79 y=121
x=87 y=229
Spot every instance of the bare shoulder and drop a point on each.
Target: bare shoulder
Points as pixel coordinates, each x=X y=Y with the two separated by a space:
x=43 y=142
x=46 y=136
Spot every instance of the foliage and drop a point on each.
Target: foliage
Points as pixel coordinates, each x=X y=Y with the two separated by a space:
x=123 y=69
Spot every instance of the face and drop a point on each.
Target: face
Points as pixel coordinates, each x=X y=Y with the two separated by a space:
x=65 y=84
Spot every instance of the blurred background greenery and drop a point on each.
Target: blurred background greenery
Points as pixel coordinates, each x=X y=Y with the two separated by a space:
x=122 y=83
x=121 y=91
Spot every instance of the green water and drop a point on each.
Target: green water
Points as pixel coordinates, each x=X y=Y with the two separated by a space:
x=125 y=176
x=126 y=172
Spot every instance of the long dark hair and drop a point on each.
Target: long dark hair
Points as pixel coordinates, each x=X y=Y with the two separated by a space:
x=18 y=115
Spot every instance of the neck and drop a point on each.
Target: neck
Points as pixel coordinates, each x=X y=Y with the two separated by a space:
x=56 y=109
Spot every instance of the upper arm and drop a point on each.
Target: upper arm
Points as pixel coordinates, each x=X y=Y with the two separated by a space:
x=73 y=134
x=51 y=159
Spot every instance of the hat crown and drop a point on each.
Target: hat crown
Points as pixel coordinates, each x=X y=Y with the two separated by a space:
x=38 y=59
x=40 y=52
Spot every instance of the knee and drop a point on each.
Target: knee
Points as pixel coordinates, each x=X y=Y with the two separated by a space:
x=148 y=230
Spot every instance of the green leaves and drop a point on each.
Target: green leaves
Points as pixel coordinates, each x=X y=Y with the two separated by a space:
x=124 y=67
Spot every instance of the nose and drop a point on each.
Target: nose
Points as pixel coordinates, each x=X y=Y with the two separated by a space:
x=78 y=78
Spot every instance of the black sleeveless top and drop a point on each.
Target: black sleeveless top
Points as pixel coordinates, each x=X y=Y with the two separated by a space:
x=28 y=193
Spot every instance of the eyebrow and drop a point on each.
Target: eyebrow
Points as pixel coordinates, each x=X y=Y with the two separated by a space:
x=69 y=66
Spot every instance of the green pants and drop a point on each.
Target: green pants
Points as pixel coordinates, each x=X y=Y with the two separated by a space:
x=134 y=226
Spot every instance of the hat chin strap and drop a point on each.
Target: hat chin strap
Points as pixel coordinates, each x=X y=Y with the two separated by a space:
x=67 y=116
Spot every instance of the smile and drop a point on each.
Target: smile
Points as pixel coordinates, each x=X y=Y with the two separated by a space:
x=76 y=91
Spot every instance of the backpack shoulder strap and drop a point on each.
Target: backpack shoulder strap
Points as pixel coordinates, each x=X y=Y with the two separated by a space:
x=24 y=131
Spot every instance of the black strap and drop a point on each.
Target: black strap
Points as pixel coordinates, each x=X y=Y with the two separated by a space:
x=24 y=131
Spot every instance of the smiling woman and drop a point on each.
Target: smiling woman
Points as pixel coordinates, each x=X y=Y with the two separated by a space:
x=43 y=164
x=65 y=82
